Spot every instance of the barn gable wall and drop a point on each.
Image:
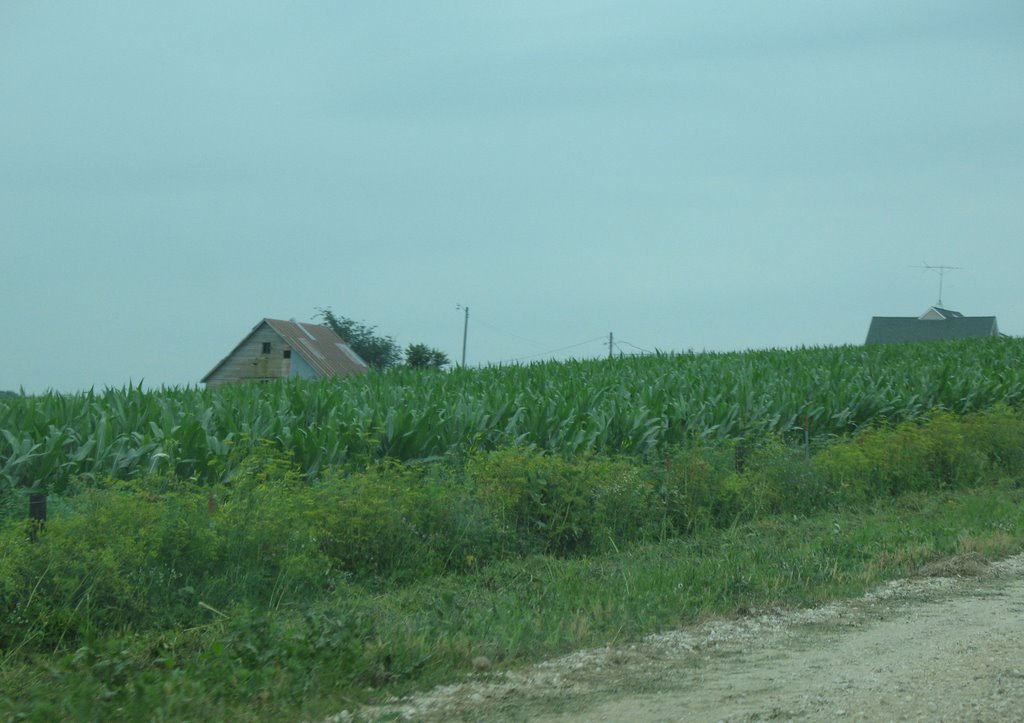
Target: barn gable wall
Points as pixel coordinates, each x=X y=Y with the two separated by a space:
x=249 y=363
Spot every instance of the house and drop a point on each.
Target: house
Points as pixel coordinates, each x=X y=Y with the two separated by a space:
x=935 y=324
x=276 y=349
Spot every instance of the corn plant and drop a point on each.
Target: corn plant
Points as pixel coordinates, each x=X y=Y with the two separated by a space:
x=635 y=406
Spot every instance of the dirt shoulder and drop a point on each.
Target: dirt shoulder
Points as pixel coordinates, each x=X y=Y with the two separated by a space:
x=945 y=646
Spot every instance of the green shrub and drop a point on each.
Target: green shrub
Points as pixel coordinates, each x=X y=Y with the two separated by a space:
x=998 y=434
x=121 y=555
x=943 y=450
x=844 y=469
x=372 y=524
x=690 y=494
x=779 y=478
x=540 y=503
x=952 y=460
x=623 y=510
x=120 y=558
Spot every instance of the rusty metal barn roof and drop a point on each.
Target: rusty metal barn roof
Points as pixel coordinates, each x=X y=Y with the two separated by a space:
x=318 y=345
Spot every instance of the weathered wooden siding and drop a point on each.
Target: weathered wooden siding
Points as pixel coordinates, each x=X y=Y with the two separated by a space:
x=249 y=363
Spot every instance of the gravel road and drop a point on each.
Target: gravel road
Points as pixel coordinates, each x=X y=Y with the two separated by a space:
x=945 y=646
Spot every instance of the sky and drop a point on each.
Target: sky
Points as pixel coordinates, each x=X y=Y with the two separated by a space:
x=683 y=175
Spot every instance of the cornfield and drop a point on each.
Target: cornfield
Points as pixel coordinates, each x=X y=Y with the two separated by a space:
x=634 y=405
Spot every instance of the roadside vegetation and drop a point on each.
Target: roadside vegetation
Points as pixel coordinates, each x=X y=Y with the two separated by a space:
x=252 y=584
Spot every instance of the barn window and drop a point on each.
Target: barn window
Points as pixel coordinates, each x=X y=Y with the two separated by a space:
x=266 y=347
x=287 y=353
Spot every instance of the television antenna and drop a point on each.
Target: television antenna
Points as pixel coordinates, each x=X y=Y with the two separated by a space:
x=942 y=271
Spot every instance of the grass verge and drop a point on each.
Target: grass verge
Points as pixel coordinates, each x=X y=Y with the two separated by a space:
x=356 y=644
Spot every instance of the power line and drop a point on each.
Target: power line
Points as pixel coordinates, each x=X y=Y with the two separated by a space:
x=554 y=351
x=638 y=348
x=505 y=332
x=617 y=344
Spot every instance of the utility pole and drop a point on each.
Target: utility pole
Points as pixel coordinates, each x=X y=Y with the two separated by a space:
x=465 y=331
x=611 y=344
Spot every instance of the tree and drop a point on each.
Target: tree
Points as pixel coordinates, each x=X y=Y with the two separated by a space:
x=380 y=352
x=421 y=356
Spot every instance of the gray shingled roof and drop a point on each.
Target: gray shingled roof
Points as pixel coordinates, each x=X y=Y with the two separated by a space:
x=890 y=329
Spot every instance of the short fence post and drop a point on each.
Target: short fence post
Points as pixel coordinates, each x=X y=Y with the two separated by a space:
x=807 y=438
x=36 y=514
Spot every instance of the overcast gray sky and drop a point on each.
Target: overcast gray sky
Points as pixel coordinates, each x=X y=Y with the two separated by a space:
x=688 y=175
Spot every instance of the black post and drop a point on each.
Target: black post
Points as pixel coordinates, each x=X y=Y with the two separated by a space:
x=807 y=438
x=36 y=514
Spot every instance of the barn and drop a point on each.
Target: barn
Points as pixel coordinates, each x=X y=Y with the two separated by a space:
x=275 y=349
x=933 y=325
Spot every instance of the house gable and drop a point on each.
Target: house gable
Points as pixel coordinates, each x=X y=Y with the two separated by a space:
x=937 y=313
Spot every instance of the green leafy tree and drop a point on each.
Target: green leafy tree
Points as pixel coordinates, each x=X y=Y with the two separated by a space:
x=380 y=352
x=421 y=356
